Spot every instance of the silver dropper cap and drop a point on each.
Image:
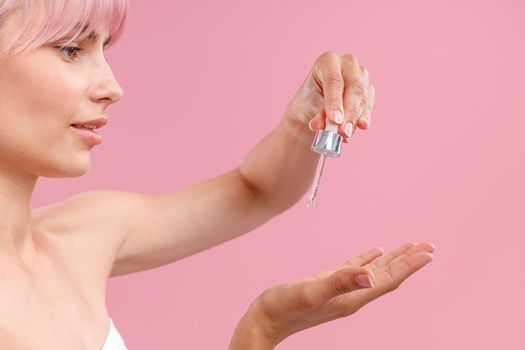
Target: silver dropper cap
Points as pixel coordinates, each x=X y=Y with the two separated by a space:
x=327 y=142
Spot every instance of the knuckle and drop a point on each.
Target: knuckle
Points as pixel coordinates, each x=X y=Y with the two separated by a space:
x=363 y=105
x=354 y=111
x=350 y=58
x=358 y=87
x=349 y=66
x=326 y=56
x=306 y=299
x=367 y=109
x=393 y=286
x=365 y=74
x=394 y=283
x=339 y=286
x=349 y=262
x=335 y=81
x=397 y=284
x=329 y=54
x=348 y=310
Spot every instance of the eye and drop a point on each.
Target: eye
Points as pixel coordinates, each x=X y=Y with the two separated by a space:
x=69 y=50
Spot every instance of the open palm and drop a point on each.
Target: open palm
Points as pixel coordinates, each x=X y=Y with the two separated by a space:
x=291 y=307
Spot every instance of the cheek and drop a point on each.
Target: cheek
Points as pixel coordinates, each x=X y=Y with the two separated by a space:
x=40 y=97
x=41 y=88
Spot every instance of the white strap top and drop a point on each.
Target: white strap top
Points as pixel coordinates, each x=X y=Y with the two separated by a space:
x=114 y=341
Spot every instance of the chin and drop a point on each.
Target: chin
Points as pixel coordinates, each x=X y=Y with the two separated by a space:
x=73 y=166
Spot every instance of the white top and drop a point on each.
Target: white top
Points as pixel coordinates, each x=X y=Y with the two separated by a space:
x=114 y=341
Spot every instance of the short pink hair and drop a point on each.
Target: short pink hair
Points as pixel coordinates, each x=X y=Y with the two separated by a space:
x=65 y=21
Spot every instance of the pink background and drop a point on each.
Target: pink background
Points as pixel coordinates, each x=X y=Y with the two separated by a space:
x=442 y=162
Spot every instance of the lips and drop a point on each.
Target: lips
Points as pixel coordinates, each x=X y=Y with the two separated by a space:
x=86 y=129
x=88 y=135
x=98 y=123
x=90 y=128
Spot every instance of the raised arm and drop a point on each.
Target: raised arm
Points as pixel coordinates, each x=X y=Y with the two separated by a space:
x=152 y=230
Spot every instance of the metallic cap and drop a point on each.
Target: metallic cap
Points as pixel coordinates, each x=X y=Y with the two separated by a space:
x=327 y=142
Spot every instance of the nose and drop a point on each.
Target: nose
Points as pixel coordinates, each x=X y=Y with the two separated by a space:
x=105 y=88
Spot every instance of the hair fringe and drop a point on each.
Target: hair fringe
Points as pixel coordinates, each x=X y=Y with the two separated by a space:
x=64 y=21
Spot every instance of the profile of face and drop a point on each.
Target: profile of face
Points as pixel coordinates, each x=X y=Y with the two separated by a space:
x=43 y=91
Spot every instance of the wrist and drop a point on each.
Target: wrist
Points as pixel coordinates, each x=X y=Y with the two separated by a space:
x=250 y=334
x=249 y=340
x=296 y=128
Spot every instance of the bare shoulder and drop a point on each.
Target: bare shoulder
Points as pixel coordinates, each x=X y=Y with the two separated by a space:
x=133 y=232
x=88 y=228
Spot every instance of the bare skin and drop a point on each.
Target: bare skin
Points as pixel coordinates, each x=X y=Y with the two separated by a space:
x=57 y=299
x=55 y=260
x=288 y=308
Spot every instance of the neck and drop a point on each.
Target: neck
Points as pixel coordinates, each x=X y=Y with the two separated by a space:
x=16 y=239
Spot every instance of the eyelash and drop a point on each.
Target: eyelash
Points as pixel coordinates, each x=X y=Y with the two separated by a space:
x=70 y=49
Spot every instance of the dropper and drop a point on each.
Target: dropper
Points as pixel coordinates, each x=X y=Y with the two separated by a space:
x=327 y=142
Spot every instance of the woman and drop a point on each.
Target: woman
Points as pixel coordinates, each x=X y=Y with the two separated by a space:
x=55 y=84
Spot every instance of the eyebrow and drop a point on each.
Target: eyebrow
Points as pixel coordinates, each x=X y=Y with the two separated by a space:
x=94 y=36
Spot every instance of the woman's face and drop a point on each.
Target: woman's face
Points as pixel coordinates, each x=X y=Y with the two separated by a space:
x=42 y=93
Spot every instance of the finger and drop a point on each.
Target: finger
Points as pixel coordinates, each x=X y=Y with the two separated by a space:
x=365 y=119
x=328 y=70
x=360 y=260
x=388 y=278
x=348 y=131
x=400 y=269
x=418 y=248
x=313 y=292
x=355 y=104
x=421 y=247
x=393 y=254
x=317 y=122
x=354 y=98
x=364 y=258
x=341 y=282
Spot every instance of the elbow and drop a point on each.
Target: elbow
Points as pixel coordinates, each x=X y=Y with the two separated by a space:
x=267 y=200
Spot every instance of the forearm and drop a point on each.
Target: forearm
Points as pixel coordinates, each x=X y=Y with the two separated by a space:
x=281 y=167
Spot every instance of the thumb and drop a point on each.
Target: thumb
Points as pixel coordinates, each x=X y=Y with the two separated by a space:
x=346 y=280
x=317 y=122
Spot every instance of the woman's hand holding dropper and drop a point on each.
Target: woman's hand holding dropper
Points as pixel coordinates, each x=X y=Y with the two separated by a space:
x=337 y=87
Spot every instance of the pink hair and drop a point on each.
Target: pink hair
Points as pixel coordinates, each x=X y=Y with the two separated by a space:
x=64 y=21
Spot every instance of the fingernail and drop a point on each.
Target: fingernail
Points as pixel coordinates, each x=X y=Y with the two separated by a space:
x=365 y=122
x=348 y=129
x=338 y=116
x=364 y=280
